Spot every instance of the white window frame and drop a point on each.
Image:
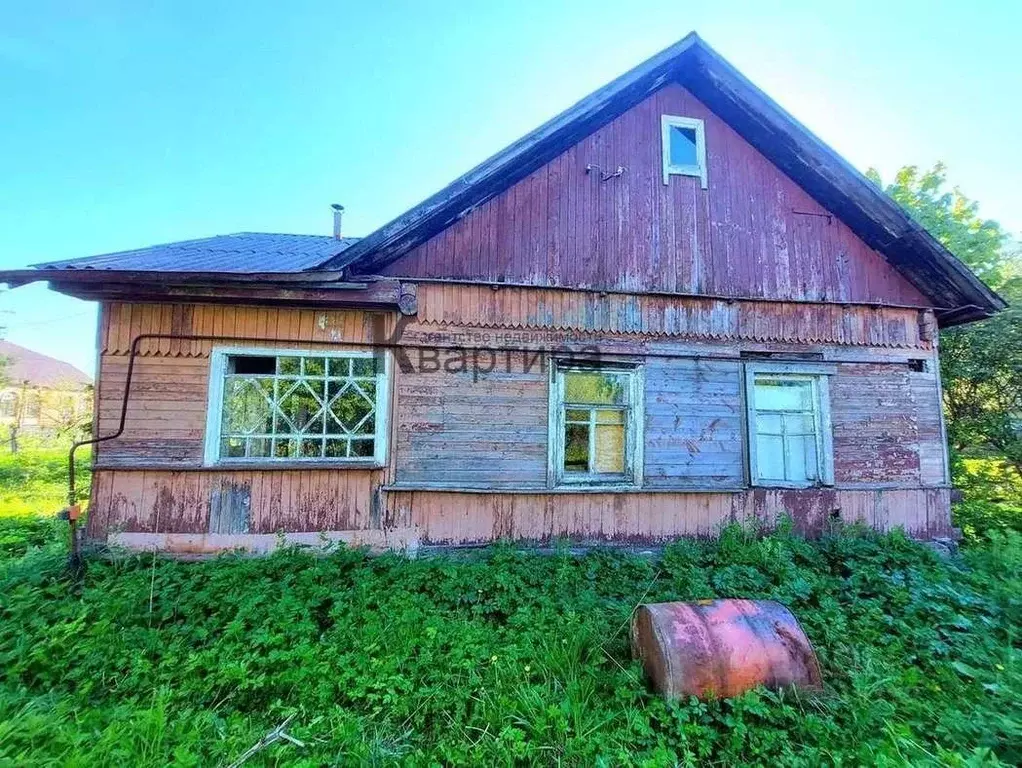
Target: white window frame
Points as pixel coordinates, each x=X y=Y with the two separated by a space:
x=819 y=376
x=635 y=417
x=699 y=169
x=214 y=407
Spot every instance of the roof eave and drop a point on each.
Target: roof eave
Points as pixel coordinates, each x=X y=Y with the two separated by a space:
x=319 y=289
x=16 y=277
x=962 y=315
x=836 y=184
x=825 y=175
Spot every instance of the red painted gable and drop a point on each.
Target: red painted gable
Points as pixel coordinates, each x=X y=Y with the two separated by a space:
x=752 y=233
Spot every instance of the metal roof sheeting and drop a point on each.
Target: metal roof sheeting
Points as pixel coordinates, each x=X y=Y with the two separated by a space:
x=244 y=252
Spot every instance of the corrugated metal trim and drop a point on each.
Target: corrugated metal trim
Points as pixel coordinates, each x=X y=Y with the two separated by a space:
x=762 y=321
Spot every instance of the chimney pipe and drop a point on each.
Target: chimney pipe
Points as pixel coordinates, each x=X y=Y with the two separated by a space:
x=338 y=210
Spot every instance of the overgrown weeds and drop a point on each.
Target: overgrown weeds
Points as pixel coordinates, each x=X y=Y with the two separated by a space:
x=33 y=489
x=506 y=658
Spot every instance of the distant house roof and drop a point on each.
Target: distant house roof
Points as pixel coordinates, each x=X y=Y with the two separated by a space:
x=241 y=253
x=39 y=370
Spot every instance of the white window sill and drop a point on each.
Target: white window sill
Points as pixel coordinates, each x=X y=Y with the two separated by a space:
x=261 y=465
x=792 y=486
x=526 y=489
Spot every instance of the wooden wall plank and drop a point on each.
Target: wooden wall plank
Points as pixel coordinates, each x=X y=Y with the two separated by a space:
x=480 y=306
x=278 y=325
x=474 y=430
x=648 y=518
x=135 y=501
x=215 y=502
x=753 y=232
x=693 y=428
x=886 y=426
x=489 y=429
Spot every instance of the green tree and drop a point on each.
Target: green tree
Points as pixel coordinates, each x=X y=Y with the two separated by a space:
x=981 y=363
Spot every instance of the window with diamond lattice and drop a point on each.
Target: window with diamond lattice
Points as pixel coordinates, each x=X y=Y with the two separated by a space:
x=297 y=406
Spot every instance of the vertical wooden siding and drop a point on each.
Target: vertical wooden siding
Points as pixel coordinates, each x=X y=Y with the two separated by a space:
x=123 y=321
x=424 y=518
x=752 y=233
x=161 y=501
x=642 y=518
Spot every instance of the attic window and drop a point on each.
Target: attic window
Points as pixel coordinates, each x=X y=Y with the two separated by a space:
x=684 y=147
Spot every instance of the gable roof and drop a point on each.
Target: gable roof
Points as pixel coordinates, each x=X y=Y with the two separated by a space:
x=879 y=221
x=957 y=294
x=240 y=253
x=24 y=366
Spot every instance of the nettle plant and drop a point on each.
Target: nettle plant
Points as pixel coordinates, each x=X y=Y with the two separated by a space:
x=505 y=657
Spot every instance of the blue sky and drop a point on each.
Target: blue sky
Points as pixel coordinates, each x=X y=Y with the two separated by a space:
x=126 y=124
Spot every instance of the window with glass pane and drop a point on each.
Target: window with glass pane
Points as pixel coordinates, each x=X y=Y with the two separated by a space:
x=786 y=429
x=596 y=410
x=292 y=407
x=684 y=147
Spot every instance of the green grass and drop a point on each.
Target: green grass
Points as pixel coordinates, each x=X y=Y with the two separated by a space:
x=502 y=658
x=33 y=482
x=33 y=489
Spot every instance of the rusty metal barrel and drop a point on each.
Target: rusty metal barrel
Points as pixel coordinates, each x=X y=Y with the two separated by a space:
x=722 y=647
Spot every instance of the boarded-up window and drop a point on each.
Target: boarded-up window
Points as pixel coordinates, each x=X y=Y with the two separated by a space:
x=594 y=426
x=789 y=429
x=296 y=406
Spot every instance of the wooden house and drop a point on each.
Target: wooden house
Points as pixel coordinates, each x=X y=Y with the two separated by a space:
x=40 y=396
x=668 y=308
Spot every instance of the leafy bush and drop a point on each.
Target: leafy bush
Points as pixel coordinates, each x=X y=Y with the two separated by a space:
x=505 y=657
x=992 y=489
